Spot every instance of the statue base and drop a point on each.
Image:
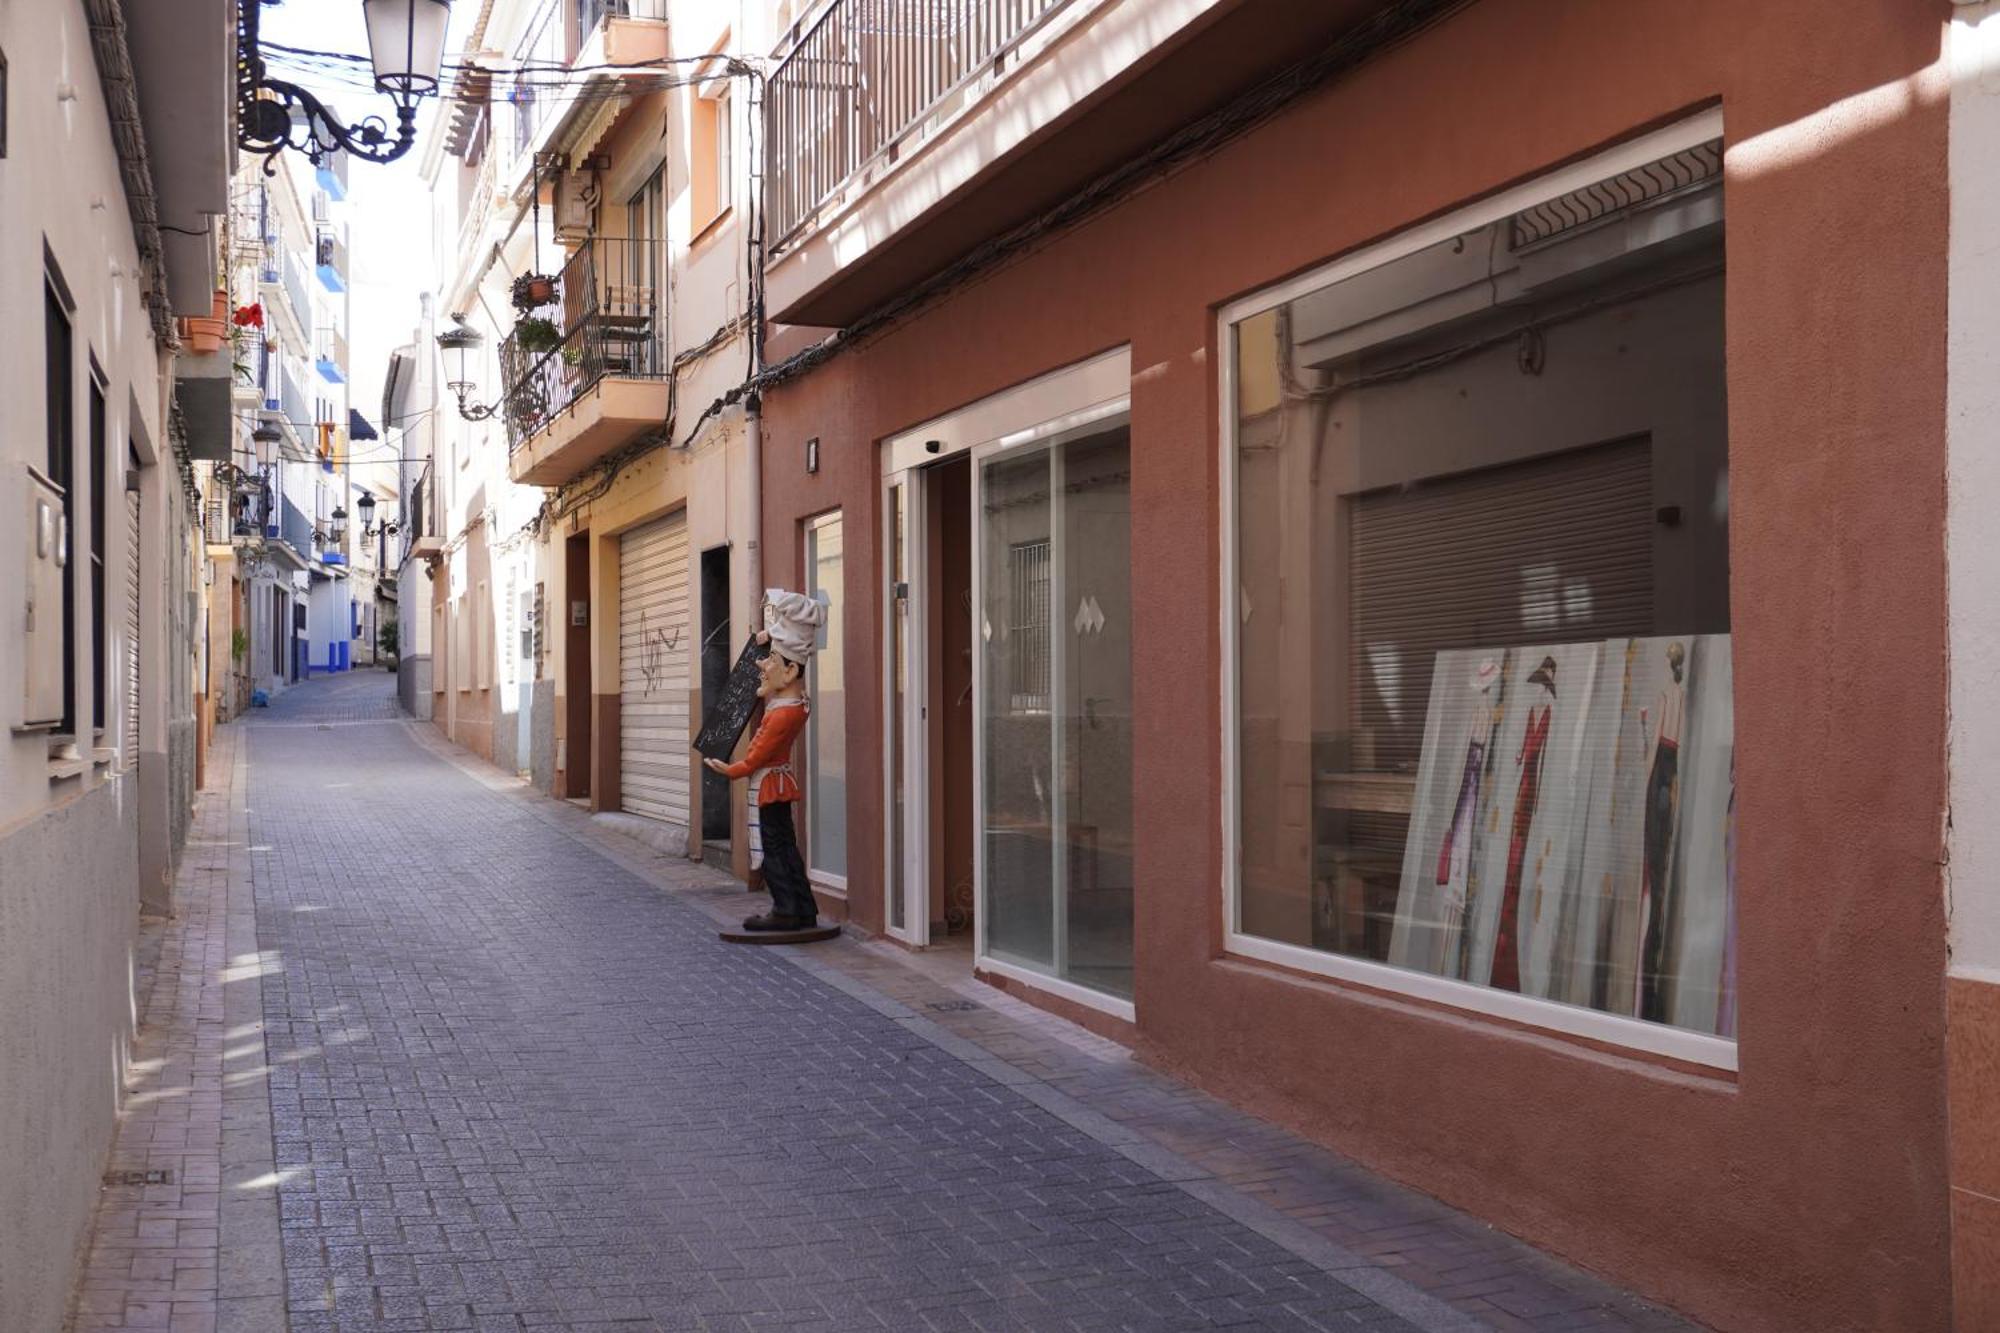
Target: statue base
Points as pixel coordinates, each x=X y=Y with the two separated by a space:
x=810 y=935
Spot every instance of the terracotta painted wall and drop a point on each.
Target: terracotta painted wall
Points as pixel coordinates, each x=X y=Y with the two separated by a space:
x=1810 y=1192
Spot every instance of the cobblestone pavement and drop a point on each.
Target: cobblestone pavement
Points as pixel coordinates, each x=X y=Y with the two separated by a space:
x=515 y=1082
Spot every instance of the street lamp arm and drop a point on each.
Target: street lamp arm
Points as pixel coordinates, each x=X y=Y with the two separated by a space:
x=275 y=114
x=287 y=116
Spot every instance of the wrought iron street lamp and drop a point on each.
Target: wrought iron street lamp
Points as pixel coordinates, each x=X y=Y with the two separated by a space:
x=335 y=533
x=267 y=438
x=389 y=527
x=458 y=343
x=406 y=45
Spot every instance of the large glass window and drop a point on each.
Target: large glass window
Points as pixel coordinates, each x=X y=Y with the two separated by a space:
x=1483 y=685
x=826 y=728
x=1055 y=623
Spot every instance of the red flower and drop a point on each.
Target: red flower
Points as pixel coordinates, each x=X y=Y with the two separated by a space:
x=250 y=316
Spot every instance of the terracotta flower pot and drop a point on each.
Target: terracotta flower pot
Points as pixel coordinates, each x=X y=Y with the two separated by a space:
x=204 y=336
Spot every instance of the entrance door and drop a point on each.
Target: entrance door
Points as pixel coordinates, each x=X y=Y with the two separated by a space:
x=576 y=666
x=653 y=655
x=1053 y=684
x=717 y=655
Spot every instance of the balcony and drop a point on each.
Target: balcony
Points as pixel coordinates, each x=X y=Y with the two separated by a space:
x=330 y=255
x=604 y=380
x=332 y=175
x=593 y=39
x=287 y=299
x=296 y=531
x=330 y=356
x=247 y=362
x=902 y=134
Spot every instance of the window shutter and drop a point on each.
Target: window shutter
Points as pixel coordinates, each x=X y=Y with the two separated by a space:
x=1555 y=550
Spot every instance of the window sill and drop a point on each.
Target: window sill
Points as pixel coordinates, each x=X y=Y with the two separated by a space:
x=61 y=770
x=1586 y=1029
x=710 y=227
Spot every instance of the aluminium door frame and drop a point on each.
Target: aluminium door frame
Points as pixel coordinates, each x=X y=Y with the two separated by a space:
x=914 y=879
x=1046 y=436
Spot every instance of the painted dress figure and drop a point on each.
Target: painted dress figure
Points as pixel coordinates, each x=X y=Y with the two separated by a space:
x=1457 y=857
x=1506 y=932
x=1668 y=718
x=791 y=627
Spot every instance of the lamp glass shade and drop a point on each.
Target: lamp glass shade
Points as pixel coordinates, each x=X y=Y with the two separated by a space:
x=457 y=343
x=266 y=437
x=366 y=504
x=406 y=43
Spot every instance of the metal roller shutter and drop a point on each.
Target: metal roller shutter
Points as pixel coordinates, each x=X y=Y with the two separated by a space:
x=653 y=654
x=1557 y=550
x=131 y=629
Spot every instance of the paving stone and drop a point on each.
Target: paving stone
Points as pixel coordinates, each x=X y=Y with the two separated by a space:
x=684 y=1124
x=489 y=1068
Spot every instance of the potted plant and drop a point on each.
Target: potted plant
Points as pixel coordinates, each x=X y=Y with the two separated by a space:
x=536 y=334
x=533 y=290
x=205 y=334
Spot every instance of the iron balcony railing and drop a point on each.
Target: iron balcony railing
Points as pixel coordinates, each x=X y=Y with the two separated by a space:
x=608 y=317
x=862 y=76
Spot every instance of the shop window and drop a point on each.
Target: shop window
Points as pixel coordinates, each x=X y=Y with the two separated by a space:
x=1484 y=739
x=826 y=683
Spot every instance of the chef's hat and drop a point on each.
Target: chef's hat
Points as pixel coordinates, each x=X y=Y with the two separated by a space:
x=792 y=620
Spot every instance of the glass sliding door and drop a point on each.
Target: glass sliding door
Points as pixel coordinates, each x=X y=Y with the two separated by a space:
x=826 y=729
x=1055 y=686
x=1018 y=807
x=1094 y=711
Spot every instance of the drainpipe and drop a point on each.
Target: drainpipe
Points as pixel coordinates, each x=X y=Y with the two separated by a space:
x=753 y=550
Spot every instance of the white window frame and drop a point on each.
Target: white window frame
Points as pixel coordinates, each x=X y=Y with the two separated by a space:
x=1633 y=1034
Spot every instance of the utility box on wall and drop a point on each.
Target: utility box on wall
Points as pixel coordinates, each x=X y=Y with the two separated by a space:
x=47 y=534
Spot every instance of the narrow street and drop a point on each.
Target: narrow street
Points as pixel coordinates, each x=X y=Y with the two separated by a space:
x=506 y=1082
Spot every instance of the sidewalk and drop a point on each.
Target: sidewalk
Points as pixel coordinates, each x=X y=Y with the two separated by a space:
x=186 y=1237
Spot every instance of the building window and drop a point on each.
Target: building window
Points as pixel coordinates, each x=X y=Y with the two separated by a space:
x=59 y=391
x=710 y=189
x=1028 y=628
x=100 y=623
x=826 y=729
x=1483 y=736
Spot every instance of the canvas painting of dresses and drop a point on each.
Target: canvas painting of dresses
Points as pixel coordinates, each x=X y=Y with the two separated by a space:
x=1572 y=826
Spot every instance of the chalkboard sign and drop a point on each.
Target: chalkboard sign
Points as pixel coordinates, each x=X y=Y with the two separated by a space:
x=722 y=726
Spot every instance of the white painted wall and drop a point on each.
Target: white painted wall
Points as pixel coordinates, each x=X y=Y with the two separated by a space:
x=1973 y=491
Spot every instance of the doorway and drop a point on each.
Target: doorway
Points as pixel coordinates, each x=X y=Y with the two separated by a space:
x=576 y=667
x=1007 y=679
x=716 y=642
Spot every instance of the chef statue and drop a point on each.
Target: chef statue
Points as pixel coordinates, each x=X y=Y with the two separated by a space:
x=791 y=628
